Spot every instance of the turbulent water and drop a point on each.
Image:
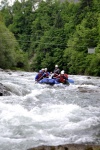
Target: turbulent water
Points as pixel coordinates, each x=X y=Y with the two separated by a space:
x=37 y=114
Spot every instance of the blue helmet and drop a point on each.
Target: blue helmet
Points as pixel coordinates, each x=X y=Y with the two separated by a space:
x=40 y=71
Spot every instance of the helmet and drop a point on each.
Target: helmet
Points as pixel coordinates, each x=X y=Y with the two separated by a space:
x=56 y=65
x=46 y=69
x=62 y=72
x=43 y=69
x=40 y=71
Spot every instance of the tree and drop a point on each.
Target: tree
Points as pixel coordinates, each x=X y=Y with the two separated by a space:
x=8 y=47
x=10 y=52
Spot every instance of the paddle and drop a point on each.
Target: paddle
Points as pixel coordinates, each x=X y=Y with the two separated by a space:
x=40 y=78
x=70 y=80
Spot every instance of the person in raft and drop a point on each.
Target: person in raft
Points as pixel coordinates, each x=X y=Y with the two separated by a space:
x=62 y=77
x=40 y=75
x=56 y=71
x=43 y=73
x=46 y=73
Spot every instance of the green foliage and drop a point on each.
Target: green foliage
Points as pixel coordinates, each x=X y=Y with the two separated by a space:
x=93 y=65
x=52 y=33
x=8 y=47
x=85 y=36
x=10 y=54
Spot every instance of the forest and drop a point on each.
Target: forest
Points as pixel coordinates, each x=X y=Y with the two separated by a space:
x=35 y=34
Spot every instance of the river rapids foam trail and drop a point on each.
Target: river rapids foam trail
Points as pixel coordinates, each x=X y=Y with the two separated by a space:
x=36 y=114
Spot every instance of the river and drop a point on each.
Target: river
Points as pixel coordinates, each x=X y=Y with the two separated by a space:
x=38 y=114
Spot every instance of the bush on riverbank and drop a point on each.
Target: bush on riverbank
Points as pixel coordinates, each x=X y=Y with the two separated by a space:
x=11 y=56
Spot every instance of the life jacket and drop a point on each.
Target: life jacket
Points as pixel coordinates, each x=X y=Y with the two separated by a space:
x=66 y=75
x=62 y=78
x=46 y=74
x=55 y=75
x=57 y=71
x=39 y=76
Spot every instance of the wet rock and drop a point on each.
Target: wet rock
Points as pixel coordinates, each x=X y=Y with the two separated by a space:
x=98 y=78
x=87 y=83
x=88 y=77
x=1 y=69
x=7 y=70
x=9 y=73
x=22 y=75
x=68 y=147
x=81 y=89
x=85 y=89
x=4 y=91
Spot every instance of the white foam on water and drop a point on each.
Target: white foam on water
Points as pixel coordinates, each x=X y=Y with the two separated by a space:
x=47 y=114
x=84 y=140
x=9 y=111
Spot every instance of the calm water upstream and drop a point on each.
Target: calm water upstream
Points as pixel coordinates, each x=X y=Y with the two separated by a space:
x=38 y=114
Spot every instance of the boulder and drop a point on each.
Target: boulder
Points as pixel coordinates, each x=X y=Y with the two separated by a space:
x=68 y=147
x=4 y=91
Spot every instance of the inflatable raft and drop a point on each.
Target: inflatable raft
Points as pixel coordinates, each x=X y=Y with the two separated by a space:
x=53 y=81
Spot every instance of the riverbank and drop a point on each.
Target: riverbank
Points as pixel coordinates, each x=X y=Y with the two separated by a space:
x=68 y=147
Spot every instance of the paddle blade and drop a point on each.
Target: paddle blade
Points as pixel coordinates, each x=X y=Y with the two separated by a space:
x=70 y=80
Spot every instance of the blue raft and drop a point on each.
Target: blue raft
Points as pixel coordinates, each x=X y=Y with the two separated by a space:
x=53 y=81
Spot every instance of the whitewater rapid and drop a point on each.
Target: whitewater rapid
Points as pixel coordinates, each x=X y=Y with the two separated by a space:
x=36 y=114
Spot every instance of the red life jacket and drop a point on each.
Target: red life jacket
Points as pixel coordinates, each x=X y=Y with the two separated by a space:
x=55 y=75
x=66 y=75
x=62 y=78
x=39 y=77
